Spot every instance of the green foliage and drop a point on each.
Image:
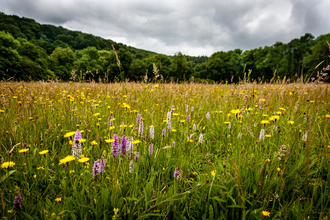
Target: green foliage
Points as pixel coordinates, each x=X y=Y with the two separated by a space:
x=9 y=57
x=62 y=59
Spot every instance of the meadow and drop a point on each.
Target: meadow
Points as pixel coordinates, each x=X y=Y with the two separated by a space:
x=164 y=151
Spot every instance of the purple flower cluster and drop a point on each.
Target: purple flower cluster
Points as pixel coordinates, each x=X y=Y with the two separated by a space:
x=208 y=117
x=194 y=127
x=200 y=140
x=98 y=167
x=123 y=145
x=168 y=117
x=164 y=132
x=138 y=119
x=152 y=132
x=76 y=147
x=176 y=173
x=188 y=118
x=18 y=202
x=115 y=146
x=262 y=135
x=187 y=108
x=140 y=128
x=151 y=149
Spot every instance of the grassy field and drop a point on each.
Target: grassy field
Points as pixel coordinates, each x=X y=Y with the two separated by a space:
x=167 y=151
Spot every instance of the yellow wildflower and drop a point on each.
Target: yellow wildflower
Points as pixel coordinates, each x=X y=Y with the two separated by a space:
x=83 y=160
x=7 y=164
x=43 y=152
x=265 y=213
x=67 y=159
x=23 y=150
x=69 y=134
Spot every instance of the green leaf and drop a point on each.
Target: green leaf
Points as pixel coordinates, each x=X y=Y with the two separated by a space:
x=7 y=175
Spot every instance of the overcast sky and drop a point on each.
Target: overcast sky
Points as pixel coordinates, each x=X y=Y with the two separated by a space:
x=190 y=26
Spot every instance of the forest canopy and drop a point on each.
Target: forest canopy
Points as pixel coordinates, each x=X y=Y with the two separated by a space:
x=33 y=51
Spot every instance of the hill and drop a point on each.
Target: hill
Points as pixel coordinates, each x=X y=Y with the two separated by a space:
x=33 y=51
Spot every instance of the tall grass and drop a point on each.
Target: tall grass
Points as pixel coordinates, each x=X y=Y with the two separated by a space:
x=233 y=172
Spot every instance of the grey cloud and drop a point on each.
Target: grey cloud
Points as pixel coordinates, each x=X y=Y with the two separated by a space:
x=191 y=26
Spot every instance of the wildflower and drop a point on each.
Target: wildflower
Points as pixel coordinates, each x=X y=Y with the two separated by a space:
x=152 y=132
x=172 y=109
x=278 y=170
x=109 y=140
x=67 y=159
x=168 y=117
x=138 y=119
x=136 y=142
x=71 y=171
x=263 y=122
x=43 y=152
x=176 y=173
x=213 y=173
x=262 y=135
x=268 y=160
x=130 y=169
x=265 y=213
x=194 y=127
x=69 y=134
x=188 y=118
x=70 y=142
x=34 y=176
x=173 y=144
x=140 y=128
x=23 y=150
x=186 y=108
x=58 y=199
x=123 y=145
x=200 y=140
x=291 y=122
x=164 y=132
x=83 y=160
x=18 y=202
x=76 y=148
x=192 y=109
x=151 y=149
x=169 y=125
x=115 y=146
x=101 y=165
x=7 y=164
x=96 y=169
x=208 y=116
x=93 y=143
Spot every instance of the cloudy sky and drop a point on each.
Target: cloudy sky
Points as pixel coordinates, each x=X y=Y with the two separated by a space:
x=194 y=27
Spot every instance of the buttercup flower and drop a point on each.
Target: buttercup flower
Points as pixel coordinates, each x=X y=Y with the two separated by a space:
x=43 y=152
x=7 y=164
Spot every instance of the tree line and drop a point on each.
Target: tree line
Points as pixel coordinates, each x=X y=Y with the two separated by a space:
x=33 y=51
